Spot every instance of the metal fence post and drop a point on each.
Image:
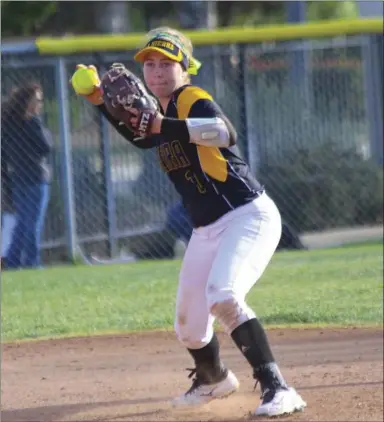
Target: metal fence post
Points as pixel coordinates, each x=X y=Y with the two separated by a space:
x=66 y=157
x=373 y=82
x=109 y=194
x=250 y=137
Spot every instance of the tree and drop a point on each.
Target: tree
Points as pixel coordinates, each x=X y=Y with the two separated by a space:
x=24 y=18
x=112 y=16
x=322 y=10
x=31 y=18
x=247 y=13
x=197 y=14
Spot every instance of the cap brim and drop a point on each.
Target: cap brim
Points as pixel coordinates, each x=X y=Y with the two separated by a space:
x=140 y=56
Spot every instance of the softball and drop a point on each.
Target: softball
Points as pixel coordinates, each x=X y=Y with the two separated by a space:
x=84 y=80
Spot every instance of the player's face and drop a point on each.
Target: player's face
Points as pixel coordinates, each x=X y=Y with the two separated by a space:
x=162 y=75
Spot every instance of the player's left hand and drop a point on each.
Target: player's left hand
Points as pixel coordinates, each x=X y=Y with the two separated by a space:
x=128 y=101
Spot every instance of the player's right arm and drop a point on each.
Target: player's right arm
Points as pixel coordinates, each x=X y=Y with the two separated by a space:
x=89 y=88
x=143 y=143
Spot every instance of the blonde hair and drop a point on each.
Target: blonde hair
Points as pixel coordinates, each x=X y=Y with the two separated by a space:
x=174 y=36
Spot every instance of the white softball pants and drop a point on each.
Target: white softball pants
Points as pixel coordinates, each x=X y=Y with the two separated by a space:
x=221 y=264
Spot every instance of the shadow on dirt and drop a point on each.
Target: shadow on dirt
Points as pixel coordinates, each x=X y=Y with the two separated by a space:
x=63 y=412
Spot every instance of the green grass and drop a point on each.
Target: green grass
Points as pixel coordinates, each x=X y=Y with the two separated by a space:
x=342 y=286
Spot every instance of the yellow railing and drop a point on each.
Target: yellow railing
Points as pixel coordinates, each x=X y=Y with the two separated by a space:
x=121 y=42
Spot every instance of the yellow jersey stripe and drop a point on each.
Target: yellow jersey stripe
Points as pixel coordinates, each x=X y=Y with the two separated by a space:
x=211 y=160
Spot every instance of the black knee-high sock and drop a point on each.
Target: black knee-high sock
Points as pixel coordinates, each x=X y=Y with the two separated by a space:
x=252 y=341
x=209 y=367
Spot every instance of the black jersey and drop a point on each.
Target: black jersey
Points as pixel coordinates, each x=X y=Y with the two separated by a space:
x=210 y=180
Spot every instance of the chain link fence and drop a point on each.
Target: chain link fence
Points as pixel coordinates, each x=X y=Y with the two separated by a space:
x=303 y=114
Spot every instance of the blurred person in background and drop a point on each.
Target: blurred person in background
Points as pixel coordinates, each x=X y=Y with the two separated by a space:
x=26 y=146
x=7 y=210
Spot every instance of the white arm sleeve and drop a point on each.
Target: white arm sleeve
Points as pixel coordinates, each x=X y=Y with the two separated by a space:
x=208 y=132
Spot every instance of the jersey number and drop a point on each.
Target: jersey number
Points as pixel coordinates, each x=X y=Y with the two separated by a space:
x=192 y=177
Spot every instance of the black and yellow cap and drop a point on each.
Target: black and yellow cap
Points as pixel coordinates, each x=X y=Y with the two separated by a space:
x=170 y=49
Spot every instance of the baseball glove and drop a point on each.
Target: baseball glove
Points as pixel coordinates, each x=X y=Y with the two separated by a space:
x=122 y=91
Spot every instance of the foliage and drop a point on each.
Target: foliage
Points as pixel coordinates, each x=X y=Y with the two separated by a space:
x=28 y=18
x=319 y=10
x=325 y=187
x=24 y=18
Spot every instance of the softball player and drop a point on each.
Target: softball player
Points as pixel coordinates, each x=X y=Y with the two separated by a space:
x=237 y=226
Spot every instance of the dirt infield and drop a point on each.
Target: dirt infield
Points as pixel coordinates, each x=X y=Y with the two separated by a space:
x=131 y=378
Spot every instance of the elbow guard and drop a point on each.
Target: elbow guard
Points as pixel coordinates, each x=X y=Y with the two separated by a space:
x=210 y=132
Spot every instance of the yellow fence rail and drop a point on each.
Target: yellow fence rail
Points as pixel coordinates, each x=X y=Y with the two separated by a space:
x=122 y=42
